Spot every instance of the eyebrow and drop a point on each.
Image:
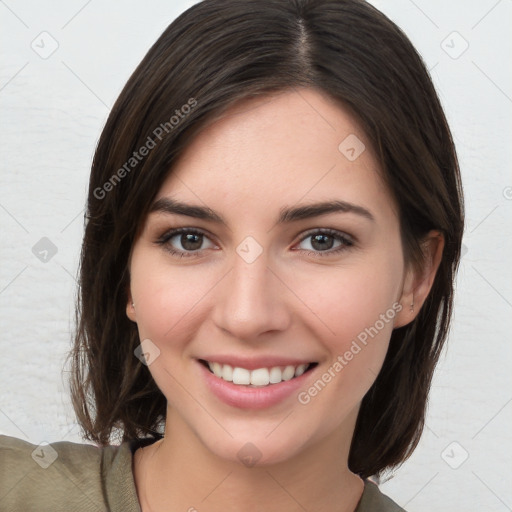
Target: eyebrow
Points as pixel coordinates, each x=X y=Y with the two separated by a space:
x=286 y=214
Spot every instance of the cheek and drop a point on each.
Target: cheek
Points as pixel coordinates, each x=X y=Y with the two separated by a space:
x=357 y=308
x=168 y=300
x=347 y=300
x=352 y=311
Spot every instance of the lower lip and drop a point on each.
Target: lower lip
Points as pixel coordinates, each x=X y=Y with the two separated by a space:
x=245 y=397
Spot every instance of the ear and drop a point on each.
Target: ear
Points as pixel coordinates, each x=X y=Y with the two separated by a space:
x=130 y=307
x=418 y=282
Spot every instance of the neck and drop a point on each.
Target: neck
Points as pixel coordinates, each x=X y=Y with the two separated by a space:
x=181 y=473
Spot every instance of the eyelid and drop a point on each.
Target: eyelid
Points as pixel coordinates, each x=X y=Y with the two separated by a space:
x=172 y=232
x=347 y=240
x=328 y=231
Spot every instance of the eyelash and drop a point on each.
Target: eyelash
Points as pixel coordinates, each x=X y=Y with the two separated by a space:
x=347 y=242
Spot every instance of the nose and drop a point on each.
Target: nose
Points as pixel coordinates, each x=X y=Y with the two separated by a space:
x=252 y=300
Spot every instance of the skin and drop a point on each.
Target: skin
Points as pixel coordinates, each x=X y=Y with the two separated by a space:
x=264 y=154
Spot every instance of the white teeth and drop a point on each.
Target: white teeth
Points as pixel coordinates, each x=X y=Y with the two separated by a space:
x=300 y=370
x=275 y=375
x=241 y=376
x=289 y=373
x=227 y=373
x=258 y=377
x=216 y=368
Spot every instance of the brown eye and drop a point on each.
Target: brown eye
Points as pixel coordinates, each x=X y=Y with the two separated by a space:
x=322 y=242
x=184 y=242
x=190 y=241
x=326 y=241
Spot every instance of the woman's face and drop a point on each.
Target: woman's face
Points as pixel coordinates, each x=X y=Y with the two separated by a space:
x=271 y=285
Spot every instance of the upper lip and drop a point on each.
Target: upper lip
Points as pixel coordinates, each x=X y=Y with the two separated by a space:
x=254 y=363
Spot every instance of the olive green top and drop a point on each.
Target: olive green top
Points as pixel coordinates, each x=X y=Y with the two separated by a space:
x=71 y=477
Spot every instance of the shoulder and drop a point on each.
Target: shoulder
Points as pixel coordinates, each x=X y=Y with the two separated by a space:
x=60 y=475
x=373 y=500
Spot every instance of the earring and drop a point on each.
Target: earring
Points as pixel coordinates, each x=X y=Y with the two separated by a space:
x=412 y=307
x=133 y=305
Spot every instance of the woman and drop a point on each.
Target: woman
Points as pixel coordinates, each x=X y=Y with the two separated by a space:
x=274 y=224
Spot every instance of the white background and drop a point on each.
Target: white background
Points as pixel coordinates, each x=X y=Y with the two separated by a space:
x=52 y=113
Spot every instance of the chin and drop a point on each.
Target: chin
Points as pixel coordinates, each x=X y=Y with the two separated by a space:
x=256 y=453
x=256 y=447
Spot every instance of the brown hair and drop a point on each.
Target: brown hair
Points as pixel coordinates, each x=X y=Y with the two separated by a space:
x=213 y=54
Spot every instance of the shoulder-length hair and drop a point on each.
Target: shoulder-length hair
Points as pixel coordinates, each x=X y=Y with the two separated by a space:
x=213 y=54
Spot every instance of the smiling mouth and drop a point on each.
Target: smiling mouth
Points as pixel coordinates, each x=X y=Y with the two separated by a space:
x=260 y=377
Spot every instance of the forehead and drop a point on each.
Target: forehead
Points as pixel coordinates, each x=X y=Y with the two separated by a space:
x=285 y=148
